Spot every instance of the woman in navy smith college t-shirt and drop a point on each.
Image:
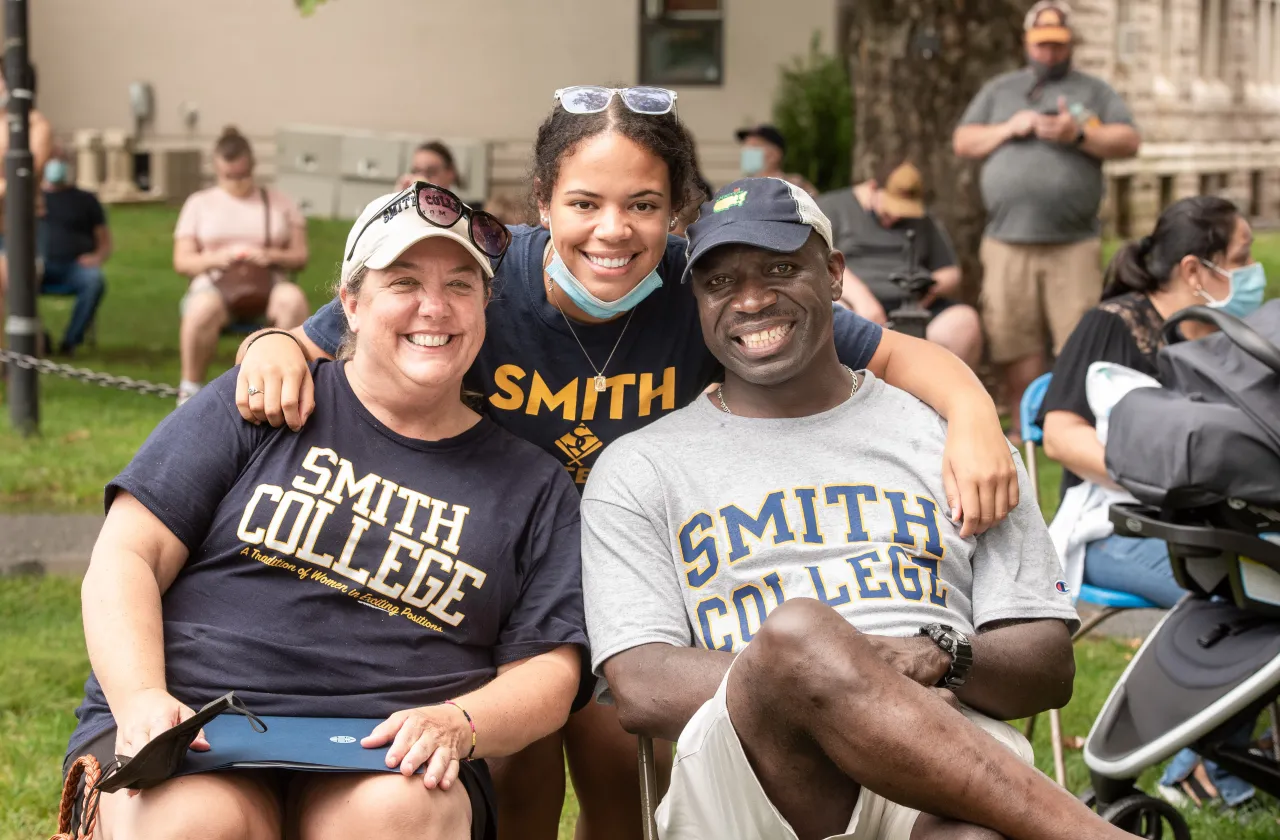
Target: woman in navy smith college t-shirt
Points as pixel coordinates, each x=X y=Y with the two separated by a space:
x=400 y=558
x=592 y=335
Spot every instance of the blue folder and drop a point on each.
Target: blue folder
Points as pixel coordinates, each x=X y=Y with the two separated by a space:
x=290 y=743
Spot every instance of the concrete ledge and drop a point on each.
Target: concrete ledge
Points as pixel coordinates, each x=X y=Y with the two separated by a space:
x=53 y=543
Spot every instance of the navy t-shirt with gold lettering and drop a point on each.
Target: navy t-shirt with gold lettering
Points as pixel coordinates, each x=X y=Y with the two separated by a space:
x=538 y=382
x=346 y=570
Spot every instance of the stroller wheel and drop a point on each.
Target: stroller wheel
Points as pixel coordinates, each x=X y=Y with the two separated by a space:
x=1145 y=816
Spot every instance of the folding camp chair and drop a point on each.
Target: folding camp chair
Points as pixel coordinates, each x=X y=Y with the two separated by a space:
x=648 y=787
x=1112 y=601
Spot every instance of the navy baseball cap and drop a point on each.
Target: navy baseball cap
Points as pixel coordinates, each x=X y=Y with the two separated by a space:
x=767 y=133
x=769 y=213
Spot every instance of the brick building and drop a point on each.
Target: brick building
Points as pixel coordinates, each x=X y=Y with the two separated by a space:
x=1203 y=80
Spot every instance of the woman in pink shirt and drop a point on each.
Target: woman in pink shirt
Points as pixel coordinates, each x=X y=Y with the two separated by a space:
x=232 y=221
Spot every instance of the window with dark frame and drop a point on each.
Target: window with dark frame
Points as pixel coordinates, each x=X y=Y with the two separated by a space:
x=681 y=42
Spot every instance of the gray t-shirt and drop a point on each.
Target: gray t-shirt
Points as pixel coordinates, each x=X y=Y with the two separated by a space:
x=874 y=252
x=1038 y=192
x=697 y=526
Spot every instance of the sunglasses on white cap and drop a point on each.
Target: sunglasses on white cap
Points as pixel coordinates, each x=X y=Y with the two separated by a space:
x=441 y=208
x=592 y=99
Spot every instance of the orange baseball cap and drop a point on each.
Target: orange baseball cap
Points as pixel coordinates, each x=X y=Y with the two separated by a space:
x=902 y=193
x=1048 y=23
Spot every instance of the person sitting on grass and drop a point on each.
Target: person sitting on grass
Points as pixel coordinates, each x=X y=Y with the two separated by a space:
x=768 y=579
x=400 y=558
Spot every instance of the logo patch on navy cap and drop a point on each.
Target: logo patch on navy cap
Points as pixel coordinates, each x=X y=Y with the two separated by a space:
x=727 y=202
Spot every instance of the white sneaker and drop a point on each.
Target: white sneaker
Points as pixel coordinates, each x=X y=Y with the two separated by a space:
x=1172 y=795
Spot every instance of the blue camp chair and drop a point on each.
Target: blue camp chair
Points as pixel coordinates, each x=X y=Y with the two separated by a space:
x=1111 y=601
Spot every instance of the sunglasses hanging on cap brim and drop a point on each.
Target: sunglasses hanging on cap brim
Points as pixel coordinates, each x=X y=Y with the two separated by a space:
x=592 y=99
x=439 y=207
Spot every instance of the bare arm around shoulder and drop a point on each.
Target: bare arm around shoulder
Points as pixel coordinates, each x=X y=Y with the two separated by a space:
x=977 y=467
x=134 y=561
x=657 y=687
x=1073 y=442
x=276 y=367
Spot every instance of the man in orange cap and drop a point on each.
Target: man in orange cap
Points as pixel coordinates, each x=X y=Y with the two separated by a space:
x=1043 y=132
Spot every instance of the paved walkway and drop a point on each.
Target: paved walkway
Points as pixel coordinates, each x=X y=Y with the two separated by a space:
x=47 y=542
x=61 y=544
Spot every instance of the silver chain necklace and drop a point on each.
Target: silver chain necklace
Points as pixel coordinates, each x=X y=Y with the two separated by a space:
x=852 y=391
x=601 y=384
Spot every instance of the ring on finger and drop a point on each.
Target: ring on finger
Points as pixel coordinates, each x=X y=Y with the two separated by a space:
x=253 y=390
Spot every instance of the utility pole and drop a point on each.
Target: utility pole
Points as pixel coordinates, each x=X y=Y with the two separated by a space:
x=22 y=325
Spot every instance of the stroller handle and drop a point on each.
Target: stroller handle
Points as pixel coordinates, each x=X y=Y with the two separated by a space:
x=1241 y=334
x=1135 y=520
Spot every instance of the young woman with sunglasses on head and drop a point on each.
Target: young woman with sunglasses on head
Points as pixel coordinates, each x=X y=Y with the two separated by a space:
x=591 y=335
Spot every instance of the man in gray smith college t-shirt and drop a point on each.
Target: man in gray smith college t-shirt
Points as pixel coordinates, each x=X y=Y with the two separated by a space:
x=769 y=573
x=1043 y=132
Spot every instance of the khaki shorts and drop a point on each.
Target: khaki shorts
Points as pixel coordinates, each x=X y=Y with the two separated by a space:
x=715 y=794
x=1026 y=288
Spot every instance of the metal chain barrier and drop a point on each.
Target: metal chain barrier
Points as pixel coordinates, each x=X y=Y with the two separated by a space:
x=104 y=380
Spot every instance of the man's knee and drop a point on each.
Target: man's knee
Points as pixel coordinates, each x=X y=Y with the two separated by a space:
x=386 y=806
x=798 y=649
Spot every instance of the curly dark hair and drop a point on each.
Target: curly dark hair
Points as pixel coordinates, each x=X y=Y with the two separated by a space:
x=665 y=136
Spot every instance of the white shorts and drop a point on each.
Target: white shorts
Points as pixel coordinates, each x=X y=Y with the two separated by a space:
x=714 y=794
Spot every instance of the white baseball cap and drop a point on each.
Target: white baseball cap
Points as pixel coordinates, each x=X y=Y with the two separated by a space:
x=388 y=227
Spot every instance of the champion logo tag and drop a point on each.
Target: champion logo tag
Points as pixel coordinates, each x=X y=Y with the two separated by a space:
x=343 y=739
x=1061 y=586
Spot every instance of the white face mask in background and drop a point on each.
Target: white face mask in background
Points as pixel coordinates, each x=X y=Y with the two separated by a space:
x=752 y=160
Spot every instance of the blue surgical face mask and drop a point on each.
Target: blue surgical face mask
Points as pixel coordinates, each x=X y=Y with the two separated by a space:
x=55 y=172
x=1248 y=285
x=589 y=303
x=752 y=160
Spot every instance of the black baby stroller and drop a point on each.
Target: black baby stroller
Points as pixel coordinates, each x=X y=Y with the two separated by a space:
x=1202 y=457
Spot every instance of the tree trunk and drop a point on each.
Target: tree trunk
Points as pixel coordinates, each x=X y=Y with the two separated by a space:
x=915 y=66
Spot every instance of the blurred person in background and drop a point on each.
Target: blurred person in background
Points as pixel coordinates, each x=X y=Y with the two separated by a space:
x=432 y=162
x=763 y=151
x=511 y=209
x=1042 y=133
x=872 y=223
x=234 y=221
x=76 y=242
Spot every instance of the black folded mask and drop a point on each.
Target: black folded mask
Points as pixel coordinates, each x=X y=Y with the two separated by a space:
x=161 y=757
